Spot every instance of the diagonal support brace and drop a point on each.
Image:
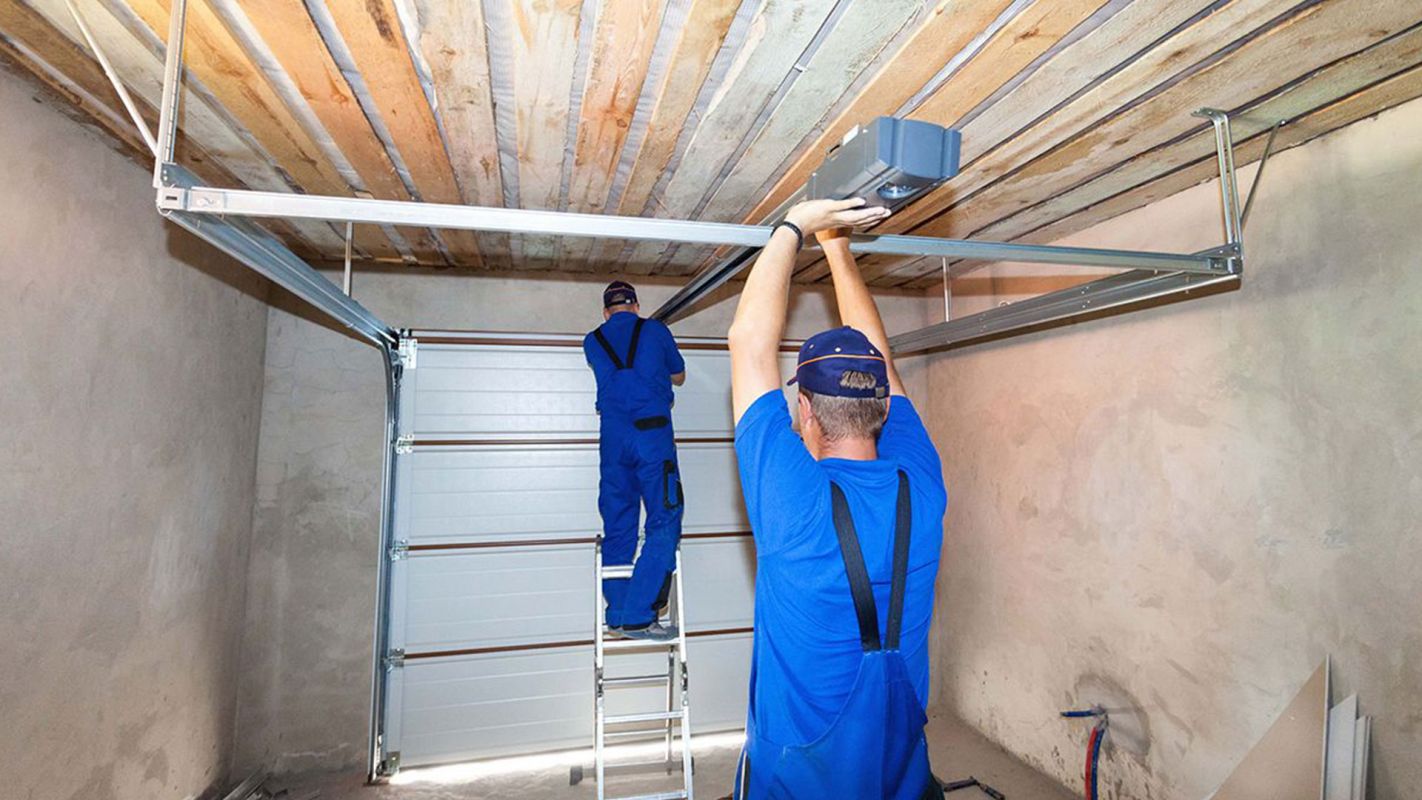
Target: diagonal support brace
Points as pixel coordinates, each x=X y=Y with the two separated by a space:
x=124 y=97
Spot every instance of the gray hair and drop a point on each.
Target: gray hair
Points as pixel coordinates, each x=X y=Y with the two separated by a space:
x=850 y=417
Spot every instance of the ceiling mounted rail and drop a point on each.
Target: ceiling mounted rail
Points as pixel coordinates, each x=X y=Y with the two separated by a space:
x=1223 y=261
x=1113 y=293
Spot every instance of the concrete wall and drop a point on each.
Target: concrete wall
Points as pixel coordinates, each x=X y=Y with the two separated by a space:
x=306 y=655
x=1184 y=510
x=131 y=398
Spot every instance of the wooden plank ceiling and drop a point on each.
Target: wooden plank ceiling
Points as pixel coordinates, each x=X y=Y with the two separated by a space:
x=1072 y=111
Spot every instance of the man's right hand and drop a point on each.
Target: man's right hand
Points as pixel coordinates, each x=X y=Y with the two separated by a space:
x=813 y=216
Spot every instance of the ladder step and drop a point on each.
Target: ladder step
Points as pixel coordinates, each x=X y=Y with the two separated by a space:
x=617 y=571
x=646 y=716
x=677 y=795
x=650 y=734
x=634 y=644
x=668 y=766
x=636 y=680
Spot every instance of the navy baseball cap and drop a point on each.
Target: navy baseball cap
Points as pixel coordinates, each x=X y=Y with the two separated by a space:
x=618 y=293
x=826 y=357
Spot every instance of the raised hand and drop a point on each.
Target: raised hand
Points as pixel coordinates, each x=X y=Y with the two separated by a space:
x=813 y=216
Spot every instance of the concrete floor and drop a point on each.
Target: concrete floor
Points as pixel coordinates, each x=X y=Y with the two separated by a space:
x=957 y=752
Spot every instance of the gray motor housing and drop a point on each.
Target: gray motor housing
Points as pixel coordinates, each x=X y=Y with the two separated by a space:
x=888 y=162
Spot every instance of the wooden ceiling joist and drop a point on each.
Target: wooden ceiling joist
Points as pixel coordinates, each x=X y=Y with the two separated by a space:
x=50 y=30
x=452 y=39
x=1393 y=91
x=779 y=34
x=621 y=55
x=856 y=40
x=373 y=33
x=218 y=60
x=294 y=40
x=1318 y=90
x=946 y=30
x=1071 y=110
x=545 y=46
x=70 y=71
x=705 y=29
x=1258 y=66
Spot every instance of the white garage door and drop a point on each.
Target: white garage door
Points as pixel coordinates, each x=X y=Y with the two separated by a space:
x=491 y=595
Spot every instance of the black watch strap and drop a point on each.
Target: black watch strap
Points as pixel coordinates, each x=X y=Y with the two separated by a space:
x=799 y=234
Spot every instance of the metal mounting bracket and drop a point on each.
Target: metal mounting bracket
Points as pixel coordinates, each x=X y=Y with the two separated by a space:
x=405 y=444
x=394 y=658
x=399 y=550
x=390 y=765
x=409 y=349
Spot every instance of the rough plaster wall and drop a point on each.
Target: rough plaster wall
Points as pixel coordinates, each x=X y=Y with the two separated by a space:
x=131 y=398
x=306 y=655
x=1186 y=509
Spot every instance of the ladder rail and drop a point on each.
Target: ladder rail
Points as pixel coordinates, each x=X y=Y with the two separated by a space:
x=686 y=765
x=675 y=718
x=600 y=711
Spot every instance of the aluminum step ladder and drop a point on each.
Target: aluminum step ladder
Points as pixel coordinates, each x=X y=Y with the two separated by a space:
x=672 y=721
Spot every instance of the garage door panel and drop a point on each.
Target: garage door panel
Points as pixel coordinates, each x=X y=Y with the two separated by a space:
x=502 y=597
x=495 y=705
x=489 y=616
x=720 y=582
x=546 y=390
x=497 y=598
x=527 y=702
x=719 y=667
x=479 y=494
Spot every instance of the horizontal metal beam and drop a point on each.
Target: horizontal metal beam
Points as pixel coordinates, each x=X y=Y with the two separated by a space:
x=1207 y=263
x=263 y=252
x=1088 y=299
x=280 y=205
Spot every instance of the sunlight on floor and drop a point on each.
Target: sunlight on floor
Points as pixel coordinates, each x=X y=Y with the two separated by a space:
x=475 y=770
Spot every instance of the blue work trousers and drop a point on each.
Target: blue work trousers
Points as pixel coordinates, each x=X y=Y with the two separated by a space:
x=638 y=468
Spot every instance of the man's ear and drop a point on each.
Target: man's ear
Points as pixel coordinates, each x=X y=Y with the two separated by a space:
x=805 y=413
x=606 y=315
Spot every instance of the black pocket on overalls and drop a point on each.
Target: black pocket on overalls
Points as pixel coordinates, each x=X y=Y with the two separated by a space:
x=671 y=484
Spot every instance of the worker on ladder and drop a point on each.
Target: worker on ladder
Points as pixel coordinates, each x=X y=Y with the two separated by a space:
x=636 y=363
x=848 y=523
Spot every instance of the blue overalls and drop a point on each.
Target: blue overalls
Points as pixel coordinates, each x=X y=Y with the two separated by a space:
x=638 y=468
x=875 y=748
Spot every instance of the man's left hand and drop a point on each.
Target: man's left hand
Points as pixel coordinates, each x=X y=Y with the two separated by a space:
x=813 y=216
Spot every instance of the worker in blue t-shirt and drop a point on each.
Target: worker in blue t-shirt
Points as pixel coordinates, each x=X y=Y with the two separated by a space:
x=636 y=363
x=848 y=523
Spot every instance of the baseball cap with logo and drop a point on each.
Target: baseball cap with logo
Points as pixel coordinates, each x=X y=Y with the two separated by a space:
x=618 y=293
x=827 y=357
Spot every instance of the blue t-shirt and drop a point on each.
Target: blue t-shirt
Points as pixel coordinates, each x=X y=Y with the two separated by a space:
x=807 y=648
x=650 y=392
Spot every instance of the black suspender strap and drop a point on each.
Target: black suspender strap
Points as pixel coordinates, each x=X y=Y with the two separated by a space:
x=631 y=348
x=903 y=529
x=607 y=346
x=859 y=587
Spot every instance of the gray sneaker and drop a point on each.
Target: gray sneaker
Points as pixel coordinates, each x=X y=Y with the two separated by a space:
x=655 y=632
